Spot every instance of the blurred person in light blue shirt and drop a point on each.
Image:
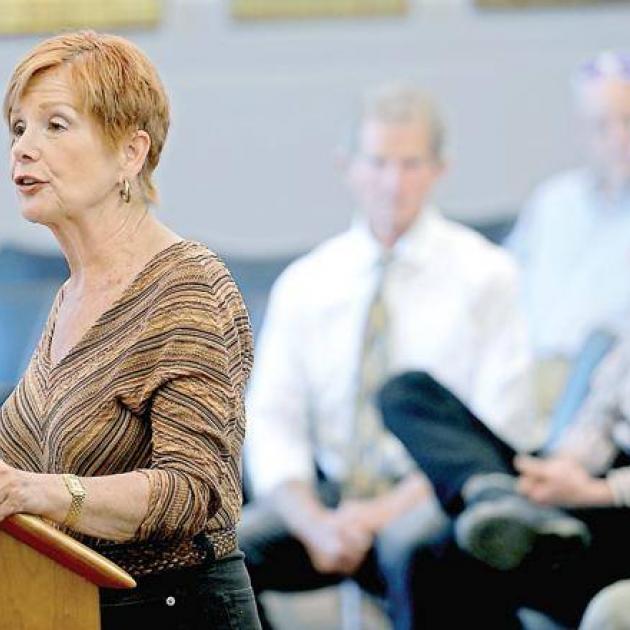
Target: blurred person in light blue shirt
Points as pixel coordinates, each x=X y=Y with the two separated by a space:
x=573 y=237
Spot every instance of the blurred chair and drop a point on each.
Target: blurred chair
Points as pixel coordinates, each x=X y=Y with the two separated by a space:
x=28 y=283
x=21 y=265
x=550 y=380
x=255 y=277
x=23 y=310
x=497 y=229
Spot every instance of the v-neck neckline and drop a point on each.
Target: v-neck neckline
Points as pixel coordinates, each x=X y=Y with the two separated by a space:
x=47 y=355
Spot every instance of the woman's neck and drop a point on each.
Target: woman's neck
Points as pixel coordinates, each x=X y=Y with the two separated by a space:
x=106 y=249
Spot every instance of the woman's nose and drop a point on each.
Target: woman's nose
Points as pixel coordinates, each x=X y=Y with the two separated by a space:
x=25 y=148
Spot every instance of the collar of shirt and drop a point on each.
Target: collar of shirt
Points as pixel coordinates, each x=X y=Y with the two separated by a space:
x=413 y=248
x=602 y=202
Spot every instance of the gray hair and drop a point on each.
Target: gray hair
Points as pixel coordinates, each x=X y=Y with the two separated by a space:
x=606 y=66
x=609 y=64
x=402 y=103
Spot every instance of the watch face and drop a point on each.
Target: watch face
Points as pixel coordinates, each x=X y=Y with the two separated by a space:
x=76 y=487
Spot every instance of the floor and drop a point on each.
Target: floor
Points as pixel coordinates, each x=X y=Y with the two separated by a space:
x=320 y=610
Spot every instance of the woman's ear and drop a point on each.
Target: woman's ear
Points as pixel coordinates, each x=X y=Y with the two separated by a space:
x=135 y=151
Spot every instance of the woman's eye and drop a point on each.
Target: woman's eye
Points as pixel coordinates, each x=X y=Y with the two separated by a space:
x=18 y=129
x=56 y=126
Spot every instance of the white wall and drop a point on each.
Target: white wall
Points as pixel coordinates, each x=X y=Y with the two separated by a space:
x=258 y=109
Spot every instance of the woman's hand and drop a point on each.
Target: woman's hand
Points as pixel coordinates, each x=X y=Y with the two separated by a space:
x=560 y=481
x=32 y=493
x=12 y=491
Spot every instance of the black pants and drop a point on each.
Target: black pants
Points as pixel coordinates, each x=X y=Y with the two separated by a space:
x=277 y=561
x=216 y=595
x=450 y=444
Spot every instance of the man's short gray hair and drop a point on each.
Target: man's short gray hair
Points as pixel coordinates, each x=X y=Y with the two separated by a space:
x=402 y=103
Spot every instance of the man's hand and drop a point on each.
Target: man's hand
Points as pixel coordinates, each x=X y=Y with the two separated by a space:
x=560 y=481
x=338 y=540
x=335 y=544
x=377 y=513
x=364 y=513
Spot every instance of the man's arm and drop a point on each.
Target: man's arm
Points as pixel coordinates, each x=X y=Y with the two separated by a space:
x=279 y=457
x=563 y=482
x=502 y=392
x=277 y=446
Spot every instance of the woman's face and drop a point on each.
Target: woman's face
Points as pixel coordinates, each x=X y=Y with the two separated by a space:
x=60 y=163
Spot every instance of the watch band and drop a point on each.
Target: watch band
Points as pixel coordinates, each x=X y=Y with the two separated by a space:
x=78 y=494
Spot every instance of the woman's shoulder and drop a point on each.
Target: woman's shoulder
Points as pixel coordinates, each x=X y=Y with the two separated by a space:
x=190 y=263
x=193 y=279
x=192 y=314
x=188 y=257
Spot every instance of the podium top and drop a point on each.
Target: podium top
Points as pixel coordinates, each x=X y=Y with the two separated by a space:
x=66 y=551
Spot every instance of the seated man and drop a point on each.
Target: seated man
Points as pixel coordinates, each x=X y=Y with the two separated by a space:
x=335 y=493
x=562 y=518
x=573 y=238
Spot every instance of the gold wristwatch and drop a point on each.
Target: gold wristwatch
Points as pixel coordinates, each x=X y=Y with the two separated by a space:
x=78 y=493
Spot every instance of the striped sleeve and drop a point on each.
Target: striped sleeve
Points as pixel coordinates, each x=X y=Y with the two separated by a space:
x=202 y=358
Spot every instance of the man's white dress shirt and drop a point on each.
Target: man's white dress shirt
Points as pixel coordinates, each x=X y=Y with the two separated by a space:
x=574 y=248
x=451 y=298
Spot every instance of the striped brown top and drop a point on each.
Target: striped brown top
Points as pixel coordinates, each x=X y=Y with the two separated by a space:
x=155 y=385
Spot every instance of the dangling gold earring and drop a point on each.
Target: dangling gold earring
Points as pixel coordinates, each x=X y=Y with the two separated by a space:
x=125 y=191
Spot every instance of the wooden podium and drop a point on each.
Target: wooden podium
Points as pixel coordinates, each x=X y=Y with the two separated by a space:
x=48 y=580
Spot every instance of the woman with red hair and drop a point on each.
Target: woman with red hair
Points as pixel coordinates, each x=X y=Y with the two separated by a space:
x=126 y=428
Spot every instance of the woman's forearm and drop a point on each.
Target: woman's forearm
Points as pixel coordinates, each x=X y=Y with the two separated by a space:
x=113 y=508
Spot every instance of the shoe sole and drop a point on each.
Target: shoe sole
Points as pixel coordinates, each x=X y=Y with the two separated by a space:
x=504 y=541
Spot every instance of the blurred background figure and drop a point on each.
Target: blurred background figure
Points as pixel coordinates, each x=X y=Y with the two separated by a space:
x=559 y=520
x=573 y=238
x=609 y=609
x=403 y=288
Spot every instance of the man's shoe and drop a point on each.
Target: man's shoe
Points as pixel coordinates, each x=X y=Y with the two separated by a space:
x=504 y=531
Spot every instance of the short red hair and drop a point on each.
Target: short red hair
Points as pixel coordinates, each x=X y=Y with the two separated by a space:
x=115 y=83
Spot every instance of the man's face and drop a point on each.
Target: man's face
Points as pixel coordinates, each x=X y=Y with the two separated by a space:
x=392 y=175
x=605 y=109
